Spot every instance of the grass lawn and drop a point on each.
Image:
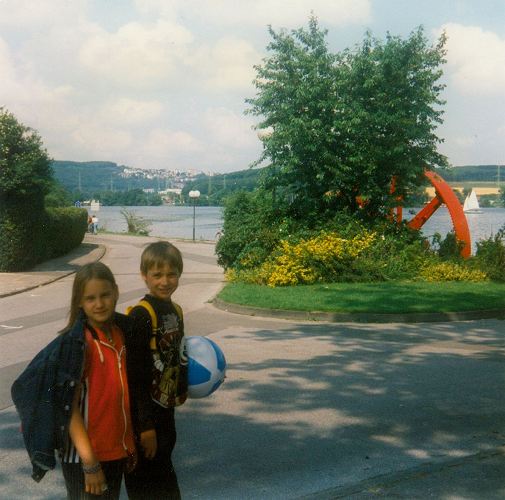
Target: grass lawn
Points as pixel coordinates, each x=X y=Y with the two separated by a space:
x=390 y=297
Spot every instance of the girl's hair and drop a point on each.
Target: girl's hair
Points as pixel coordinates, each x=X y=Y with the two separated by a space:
x=159 y=253
x=94 y=270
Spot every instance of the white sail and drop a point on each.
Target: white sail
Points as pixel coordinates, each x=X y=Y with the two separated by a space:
x=471 y=205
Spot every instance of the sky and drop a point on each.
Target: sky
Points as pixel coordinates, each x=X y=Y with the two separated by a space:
x=162 y=84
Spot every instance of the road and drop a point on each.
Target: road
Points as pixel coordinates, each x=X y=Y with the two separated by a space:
x=316 y=410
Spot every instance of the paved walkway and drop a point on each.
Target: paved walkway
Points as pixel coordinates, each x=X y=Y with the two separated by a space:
x=309 y=409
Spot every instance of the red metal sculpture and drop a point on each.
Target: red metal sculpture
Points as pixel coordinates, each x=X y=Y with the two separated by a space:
x=443 y=195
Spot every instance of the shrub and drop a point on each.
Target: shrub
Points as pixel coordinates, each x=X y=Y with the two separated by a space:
x=250 y=230
x=135 y=224
x=64 y=230
x=21 y=225
x=490 y=255
x=325 y=257
x=450 y=271
x=448 y=248
x=29 y=236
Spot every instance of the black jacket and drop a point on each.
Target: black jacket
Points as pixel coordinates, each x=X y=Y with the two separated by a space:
x=44 y=392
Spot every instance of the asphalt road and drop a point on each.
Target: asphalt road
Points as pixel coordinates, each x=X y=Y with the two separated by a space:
x=308 y=410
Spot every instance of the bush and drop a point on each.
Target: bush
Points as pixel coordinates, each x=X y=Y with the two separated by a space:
x=135 y=224
x=21 y=225
x=29 y=236
x=69 y=221
x=451 y=271
x=490 y=256
x=250 y=230
x=448 y=248
x=326 y=257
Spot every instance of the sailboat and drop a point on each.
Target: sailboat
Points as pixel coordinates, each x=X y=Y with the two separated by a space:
x=471 y=205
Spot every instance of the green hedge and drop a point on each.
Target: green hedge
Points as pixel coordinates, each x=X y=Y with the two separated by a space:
x=64 y=230
x=29 y=235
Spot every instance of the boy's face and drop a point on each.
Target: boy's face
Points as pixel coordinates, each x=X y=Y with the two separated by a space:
x=162 y=281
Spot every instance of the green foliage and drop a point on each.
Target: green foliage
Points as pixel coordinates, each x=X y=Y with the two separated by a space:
x=482 y=173
x=215 y=188
x=135 y=224
x=354 y=254
x=448 y=248
x=57 y=196
x=29 y=235
x=451 y=271
x=134 y=197
x=346 y=124
x=25 y=177
x=21 y=229
x=249 y=229
x=490 y=255
x=63 y=230
x=25 y=170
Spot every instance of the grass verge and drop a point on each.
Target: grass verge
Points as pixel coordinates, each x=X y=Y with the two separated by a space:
x=390 y=297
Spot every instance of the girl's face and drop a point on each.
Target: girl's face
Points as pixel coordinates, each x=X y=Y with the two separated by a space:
x=99 y=302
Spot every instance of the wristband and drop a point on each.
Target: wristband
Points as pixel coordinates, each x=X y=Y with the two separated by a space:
x=93 y=469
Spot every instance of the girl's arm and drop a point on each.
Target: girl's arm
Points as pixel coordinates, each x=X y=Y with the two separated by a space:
x=95 y=482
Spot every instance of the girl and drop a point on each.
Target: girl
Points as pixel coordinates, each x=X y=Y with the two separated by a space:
x=100 y=430
x=89 y=383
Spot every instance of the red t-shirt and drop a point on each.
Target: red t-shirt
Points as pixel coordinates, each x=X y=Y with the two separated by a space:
x=105 y=396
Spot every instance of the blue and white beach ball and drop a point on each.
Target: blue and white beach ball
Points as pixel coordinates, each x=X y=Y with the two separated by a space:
x=206 y=366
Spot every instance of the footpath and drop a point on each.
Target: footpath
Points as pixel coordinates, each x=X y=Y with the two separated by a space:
x=461 y=471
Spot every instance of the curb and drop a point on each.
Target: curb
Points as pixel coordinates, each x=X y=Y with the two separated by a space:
x=99 y=252
x=331 y=317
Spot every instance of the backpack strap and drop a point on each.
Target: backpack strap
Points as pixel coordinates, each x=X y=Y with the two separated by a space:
x=149 y=308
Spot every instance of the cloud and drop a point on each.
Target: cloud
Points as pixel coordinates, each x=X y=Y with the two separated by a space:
x=30 y=14
x=476 y=60
x=226 y=65
x=94 y=140
x=279 y=13
x=125 y=111
x=229 y=129
x=137 y=55
x=164 y=144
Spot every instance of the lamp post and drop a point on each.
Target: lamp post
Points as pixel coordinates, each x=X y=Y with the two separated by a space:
x=194 y=195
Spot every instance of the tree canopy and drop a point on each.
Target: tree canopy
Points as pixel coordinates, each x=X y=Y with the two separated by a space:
x=25 y=167
x=344 y=125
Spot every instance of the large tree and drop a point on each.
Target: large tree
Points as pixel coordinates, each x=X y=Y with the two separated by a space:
x=25 y=167
x=344 y=125
x=25 y=177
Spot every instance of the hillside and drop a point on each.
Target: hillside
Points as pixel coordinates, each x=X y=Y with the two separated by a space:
x=100 y=176
x=217 y=187
x=478 y=173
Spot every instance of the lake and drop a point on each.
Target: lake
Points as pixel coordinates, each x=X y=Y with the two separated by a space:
x=177 y=221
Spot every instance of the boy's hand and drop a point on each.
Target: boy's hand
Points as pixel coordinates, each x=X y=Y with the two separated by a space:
x=149 y=443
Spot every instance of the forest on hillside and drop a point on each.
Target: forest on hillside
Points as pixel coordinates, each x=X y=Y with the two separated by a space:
x=101 y=179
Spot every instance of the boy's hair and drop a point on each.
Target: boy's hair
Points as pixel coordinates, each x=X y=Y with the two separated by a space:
x=94 y=270
x=160 y=253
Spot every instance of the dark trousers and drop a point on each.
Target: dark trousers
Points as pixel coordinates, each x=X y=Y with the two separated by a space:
x=74 y=481
x=156 y=479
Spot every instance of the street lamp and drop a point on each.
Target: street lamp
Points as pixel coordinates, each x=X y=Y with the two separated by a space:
x=194 y=195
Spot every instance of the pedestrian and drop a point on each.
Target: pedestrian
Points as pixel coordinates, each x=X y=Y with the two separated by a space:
x=77 y=393
x=90 y=224
x=161 y=325
x=94 y=221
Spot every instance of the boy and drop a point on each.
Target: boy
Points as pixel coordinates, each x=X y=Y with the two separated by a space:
x=162 y=328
